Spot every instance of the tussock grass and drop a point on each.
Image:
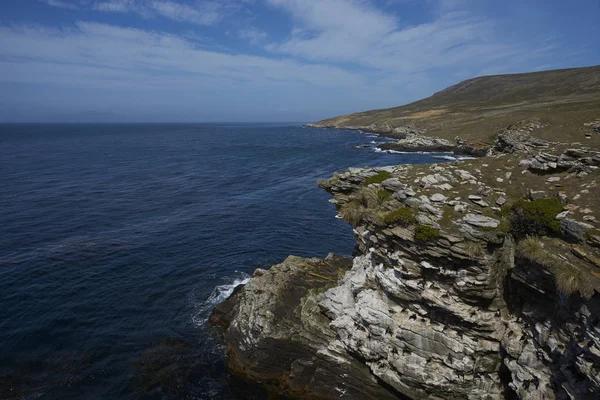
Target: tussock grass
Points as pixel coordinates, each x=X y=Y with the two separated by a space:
x=366 y=201
x=378 y=178
x=531 y=248
x=475 y=249
x=402 y=216
x=424 y=233
x=570 y=280
x=353 y=212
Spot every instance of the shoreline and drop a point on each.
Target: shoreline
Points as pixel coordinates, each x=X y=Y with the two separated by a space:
x=441 y=293
x=416 y=142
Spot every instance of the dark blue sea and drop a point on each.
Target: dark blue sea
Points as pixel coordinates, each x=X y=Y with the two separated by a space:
x=117 y=240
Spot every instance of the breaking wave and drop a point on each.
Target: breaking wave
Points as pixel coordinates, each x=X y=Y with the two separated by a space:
x=219 y=294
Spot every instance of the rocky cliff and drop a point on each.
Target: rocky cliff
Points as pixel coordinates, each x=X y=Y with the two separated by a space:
x=478 y=279
x=445 y=300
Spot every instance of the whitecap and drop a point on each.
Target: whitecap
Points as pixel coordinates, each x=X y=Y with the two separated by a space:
x=219 y=294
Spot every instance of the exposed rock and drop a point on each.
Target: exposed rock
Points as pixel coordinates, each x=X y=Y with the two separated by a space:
x=276 y=334
x=457 y=316
x=513 y=140
x=480 y=220
x=438 y=198
x=573 y=229
x=478 y=200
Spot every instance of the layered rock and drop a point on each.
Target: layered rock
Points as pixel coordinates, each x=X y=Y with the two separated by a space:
x=454 y=314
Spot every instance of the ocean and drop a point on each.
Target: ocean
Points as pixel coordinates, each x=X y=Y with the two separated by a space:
x=116 y=241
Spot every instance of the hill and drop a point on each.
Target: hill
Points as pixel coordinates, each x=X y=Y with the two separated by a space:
x=562 y=101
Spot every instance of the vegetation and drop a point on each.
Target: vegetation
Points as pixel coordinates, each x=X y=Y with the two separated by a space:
x=323 y=183
x=402 y=216
x=352 y=211
x=383 y=195
x=378 y=178
x=570 y=280
x=592 y=232
x=537 y=217
x=365 y=201
x=472 y=106
x=474 y=249
x=531 y=248
x=424 y=233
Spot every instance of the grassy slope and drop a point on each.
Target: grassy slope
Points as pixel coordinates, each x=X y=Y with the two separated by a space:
x=479 y=108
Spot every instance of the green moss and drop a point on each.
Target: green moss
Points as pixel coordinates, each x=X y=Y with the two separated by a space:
x=378 y=178
x=504 y=225
x=536 y=217
x=591 y=232
x=424 y=233
x=402 y=216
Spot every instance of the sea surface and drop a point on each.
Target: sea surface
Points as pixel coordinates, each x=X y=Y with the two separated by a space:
x=116 y=241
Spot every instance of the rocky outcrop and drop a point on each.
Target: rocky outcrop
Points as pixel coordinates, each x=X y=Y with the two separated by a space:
x=439 y=303
x=571 y=160
x=276 y=334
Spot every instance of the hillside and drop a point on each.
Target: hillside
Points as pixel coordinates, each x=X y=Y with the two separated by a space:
x=480 y=108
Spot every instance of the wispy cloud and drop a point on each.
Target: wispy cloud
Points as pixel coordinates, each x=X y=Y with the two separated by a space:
x=72 y=4
x=253 y=35
x=100 y=54
x=116 y=6
x=201 y=12
x=356 y=32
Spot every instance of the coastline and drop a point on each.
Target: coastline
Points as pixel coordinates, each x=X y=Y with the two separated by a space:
x=478 y=279
x=440 y=295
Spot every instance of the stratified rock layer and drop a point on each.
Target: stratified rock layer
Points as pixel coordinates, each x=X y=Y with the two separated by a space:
x=457 y=316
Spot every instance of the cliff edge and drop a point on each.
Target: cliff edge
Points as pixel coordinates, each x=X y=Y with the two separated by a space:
x=478 y=279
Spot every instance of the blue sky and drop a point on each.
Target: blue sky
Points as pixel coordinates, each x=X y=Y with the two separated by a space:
x=269 y=60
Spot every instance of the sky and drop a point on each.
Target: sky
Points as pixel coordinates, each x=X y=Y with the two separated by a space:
x=269 y=60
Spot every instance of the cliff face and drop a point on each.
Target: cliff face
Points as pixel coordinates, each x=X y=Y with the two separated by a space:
x=478 y=279
x=445 y=300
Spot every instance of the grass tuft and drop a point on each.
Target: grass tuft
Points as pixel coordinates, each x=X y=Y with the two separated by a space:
x=531 y=248
x=362 y=203
x=352 y=211
x=378 y=178
x=424 y=233
x=402 y=216
x=570 y=280
x=591 y=232
x=474 y=249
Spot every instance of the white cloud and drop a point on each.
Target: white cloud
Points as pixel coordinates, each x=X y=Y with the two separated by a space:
x=73 y=4
x=201 y=12
x=353 y=31
x=96 y=54
x=116 y=6
x=253 y=35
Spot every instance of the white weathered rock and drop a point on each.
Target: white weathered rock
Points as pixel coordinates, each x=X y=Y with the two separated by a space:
x=438 y=198
x=481 y=221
